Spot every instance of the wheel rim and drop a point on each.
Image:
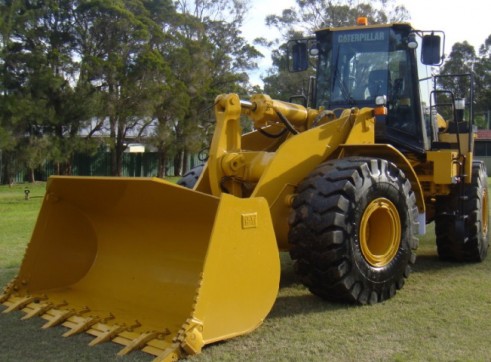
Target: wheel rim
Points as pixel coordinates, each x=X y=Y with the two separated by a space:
x=380 y=232
x=484 y=211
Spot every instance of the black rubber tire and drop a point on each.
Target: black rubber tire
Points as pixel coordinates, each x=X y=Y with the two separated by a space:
x=471 y=245
x=191 y=177
x=325 y=227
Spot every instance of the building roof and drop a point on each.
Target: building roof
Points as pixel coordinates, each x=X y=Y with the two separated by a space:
x=484 y=134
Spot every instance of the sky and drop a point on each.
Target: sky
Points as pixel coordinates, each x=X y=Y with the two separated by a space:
x=467 y=20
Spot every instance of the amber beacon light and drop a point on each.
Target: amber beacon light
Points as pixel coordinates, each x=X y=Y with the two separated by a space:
x=362 y=21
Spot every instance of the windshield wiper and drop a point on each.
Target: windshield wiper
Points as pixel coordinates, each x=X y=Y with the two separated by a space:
x=342 y=86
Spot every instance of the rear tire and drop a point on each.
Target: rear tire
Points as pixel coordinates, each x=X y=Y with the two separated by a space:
x=353 y=230
x=191 y=177
x=471 y=245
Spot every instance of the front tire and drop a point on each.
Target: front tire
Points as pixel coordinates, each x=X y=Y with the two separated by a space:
x=353 y=230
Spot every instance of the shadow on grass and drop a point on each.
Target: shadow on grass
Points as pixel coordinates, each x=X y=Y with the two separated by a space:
x=286 y=306
x=288 y=277
x=428 y=263
x=302 y=302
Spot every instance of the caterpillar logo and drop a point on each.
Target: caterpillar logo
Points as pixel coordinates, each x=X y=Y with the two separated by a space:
x=361 y=37
x=249 y=220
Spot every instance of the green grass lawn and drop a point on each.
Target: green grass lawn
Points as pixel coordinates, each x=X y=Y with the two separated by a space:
x=441 y=314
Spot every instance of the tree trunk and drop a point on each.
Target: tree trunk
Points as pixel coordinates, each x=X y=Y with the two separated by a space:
x=117 y=161
x=161 y=164
x=185 y=158
x=116 y=164
x=9 y=168
x=177 y=164
x=69 y=168
x=119 y=157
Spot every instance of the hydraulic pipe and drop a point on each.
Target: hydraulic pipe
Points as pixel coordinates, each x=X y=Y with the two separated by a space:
x=264 y=111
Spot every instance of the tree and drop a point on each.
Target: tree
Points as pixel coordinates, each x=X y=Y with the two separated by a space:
x=117 y=43
x=461 y=60
x=279 y=83
x=208 y=56
x=310 y=15
x=455 y=76
x=70 y=69
x=23 y=110
x=483 y=83
x=39 y=100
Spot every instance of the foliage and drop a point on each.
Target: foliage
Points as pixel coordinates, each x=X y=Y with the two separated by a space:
x=483 y=83
x=211 y=58
x=456 y=77
x=39 y=101
x=120 y=58
x=461 y=61
x=309 y=15
x=122 y=69
x=73 y=72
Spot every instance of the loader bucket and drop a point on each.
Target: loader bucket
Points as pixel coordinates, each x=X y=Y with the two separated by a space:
x=147 y=264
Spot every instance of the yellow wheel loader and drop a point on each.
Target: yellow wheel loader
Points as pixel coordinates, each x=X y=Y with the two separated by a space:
x=344 y=182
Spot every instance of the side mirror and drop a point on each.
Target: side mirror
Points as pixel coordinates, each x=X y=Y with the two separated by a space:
x=298 y=56
x=431 y=50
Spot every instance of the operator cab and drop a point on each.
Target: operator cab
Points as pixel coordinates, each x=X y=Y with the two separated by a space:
x=368 y=66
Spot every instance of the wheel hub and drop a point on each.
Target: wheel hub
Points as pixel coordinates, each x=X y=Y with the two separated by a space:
x=380 y=232
x=485 y=215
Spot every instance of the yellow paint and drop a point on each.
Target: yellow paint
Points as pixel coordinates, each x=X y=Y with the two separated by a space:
x=445 y=166
x=380 y=232
x=145 y=250
x=454 y=142
x=164 y=269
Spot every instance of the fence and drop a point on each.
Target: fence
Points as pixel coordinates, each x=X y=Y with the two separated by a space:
x=134 y=165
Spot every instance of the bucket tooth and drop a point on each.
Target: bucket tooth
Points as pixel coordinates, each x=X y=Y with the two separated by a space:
x=7 y=291
x=156 y=347
x=60 y=316
x=139 y=342
x=108 y=334
x=20 y=303
x=83 y=324
x=170 y=354
x=37 y=311
x=33 y=310
x=191 y=336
